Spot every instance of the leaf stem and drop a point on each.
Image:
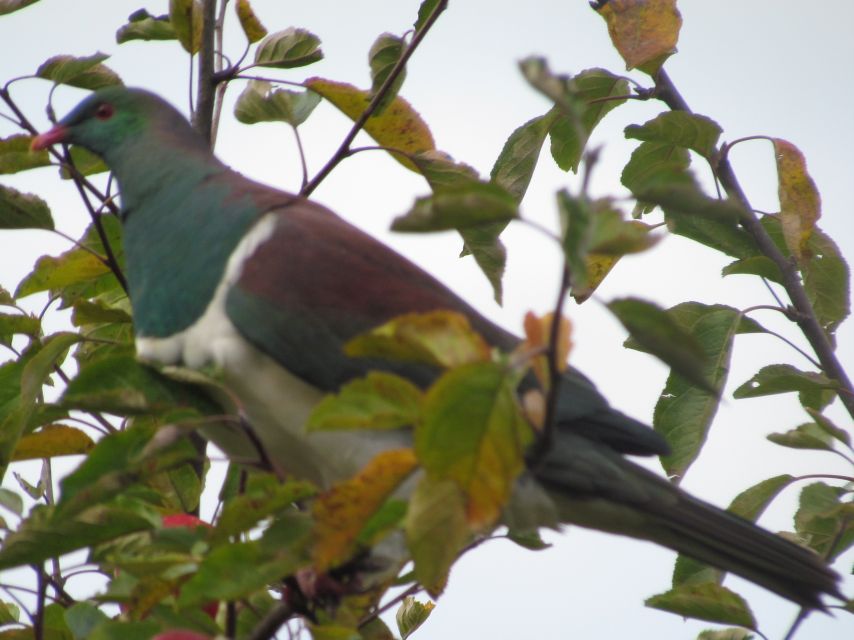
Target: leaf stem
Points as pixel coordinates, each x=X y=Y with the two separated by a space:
x=806 y=318
x=378 y=98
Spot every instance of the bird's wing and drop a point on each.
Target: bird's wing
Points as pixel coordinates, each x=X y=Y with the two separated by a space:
x=318 y=281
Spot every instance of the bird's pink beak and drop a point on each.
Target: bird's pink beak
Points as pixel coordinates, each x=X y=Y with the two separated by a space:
x=42 y=141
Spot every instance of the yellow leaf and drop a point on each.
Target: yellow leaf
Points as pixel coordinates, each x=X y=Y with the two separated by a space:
x=341 y=513
x=398 y=127
x=644 y=32
x=250 y=23
x=800 y=202
x=51 y=441
x=598 y=266
x=186 y=19
x=441 y=338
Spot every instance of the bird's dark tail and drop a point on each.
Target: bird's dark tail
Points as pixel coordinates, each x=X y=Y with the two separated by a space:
x=596 y=488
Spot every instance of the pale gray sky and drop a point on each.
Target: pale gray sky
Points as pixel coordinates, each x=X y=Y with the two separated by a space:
x=772 y=67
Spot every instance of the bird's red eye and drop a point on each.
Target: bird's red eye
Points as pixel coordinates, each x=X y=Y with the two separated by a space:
x=104 y=111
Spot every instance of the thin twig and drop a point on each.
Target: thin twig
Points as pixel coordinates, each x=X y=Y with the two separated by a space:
x=271 y=623
x=302 y=161
x=112 y=262
x=378 y=98
x=806 y=318
x=38 y=621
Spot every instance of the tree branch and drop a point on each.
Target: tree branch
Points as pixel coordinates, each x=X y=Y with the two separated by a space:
x=805 y=318
x=344 y=149
x=205 y=95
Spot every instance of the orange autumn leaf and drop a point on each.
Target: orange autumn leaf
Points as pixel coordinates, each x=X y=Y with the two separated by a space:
x=537 y=333
x=341 y=513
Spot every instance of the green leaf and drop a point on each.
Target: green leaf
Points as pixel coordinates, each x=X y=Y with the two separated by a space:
x=83 y=72
x=824 y=423
x=144 y=26
x=236 y=570
x=76 y=267
x=378 y=401
x=576 y=222
x=659 y=334
x=649 y=162
x=595 y=90
x=758 y=266
x=186 y=18
x=412 y=614
x=82 y=618
x=16 y=323
x=680 y=197
x=125 y=630
x=382 y=58
x=243 y=512
x=726 y=634
x=556 y=87
x=751 y=503
x=288 y=49
x=85 y=162
x=9 y=613
x=260 y=102
x=45 y=535
x=12 y=501
x=473 y=433
x=783 y=378
x=679 y=128
x=827 y=281
x=333 y=632
x=8 y=6
x=515 y=165
x=644 y=33
x=425 y=10
x=15 y=155
x=464 y=207
x=489 y=253
x=684 y=412
x=87 y=313
x=33 y=377
x=436 y=531
x=6 y=299
x=399 y=127
x=439 y=338
x=440 y=170
x=823 y=521
x=249 y=22
x=707 y=601
x=123 y=386
x=23 y=210
x=805 y=436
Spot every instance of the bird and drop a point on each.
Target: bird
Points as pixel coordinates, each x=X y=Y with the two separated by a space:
x=269 y=286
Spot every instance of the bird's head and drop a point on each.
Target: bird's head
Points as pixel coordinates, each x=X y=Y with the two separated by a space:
x=112 y=117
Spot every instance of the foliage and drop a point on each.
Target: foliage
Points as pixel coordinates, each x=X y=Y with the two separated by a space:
x=142 y=461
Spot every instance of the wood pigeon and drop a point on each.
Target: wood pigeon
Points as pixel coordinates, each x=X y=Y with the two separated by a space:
x=269 y=286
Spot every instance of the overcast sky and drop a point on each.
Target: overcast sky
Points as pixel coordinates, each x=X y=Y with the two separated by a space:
x=771 y=67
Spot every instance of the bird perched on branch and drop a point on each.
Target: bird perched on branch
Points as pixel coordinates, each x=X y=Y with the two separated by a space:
x=269 y=286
